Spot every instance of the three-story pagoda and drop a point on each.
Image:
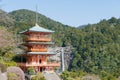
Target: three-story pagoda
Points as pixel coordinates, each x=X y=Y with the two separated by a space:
x=37 y=40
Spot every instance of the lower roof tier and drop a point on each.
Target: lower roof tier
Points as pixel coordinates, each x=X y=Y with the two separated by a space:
x=38 y=43
x=41 y=53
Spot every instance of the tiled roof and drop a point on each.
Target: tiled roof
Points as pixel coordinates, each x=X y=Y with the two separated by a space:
x=37 y=28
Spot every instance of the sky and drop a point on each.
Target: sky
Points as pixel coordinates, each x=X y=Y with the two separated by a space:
x=68 y=12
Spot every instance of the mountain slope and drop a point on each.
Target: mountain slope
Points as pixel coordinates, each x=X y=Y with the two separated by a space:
x=5 y=19
x=28 y=16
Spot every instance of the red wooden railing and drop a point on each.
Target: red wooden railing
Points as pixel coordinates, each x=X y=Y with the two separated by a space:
x=43 y=39
x=38 y=50
x=37 y=64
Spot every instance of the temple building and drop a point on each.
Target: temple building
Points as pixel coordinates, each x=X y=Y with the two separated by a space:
x=37 y=41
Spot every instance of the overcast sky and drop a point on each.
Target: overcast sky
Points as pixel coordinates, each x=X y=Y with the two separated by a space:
x=69 y=12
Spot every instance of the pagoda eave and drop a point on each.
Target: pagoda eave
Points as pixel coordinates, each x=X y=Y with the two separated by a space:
x=48 y=43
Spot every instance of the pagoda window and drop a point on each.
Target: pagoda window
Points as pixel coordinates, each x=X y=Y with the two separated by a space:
x=35 y=46
x=40 y=61
x=31 y=35
x=42 y=46
x=39 y=46
x=40 y=56
x=37 y=37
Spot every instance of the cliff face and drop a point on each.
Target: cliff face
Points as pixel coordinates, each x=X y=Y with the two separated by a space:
x=67 y=55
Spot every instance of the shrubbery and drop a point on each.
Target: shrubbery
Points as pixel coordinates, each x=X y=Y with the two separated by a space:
x=31 y=71
x=80 y=75
x=66 y=75
x=13 y=76
x=38 y=76
x=10 y=63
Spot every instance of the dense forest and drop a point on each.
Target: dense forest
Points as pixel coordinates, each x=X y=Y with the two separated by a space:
x=96 y=47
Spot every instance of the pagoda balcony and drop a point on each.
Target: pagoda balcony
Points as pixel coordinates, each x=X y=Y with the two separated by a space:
x=48 y=53
x=43 y=39
x=38 y=50
x=39 y=64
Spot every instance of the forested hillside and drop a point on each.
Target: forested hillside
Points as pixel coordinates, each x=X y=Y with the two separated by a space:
x=5 y=19
x=25 y=19
x=96 y=46
x=98 y=49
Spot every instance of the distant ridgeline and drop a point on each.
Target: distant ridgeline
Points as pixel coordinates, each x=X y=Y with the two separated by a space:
x=96 y=46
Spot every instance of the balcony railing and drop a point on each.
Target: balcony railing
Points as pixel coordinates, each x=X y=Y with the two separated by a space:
x=38 y=50
x=43 y=39
x=38 y=64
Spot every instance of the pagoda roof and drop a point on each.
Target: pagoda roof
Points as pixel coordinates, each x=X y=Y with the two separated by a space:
x=38 y=43
x=38 y=28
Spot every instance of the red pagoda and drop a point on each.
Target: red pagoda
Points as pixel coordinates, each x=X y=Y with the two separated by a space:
x=37 y=41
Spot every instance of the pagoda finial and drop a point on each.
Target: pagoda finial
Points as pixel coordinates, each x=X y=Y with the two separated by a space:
x=36 y=24
x=36 y=16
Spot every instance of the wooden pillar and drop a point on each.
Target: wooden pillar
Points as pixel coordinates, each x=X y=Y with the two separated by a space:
x=35 y=58
x=32 y=59
x=48 y=68
x=46 y=58
x=38 y=59
x=39 y=68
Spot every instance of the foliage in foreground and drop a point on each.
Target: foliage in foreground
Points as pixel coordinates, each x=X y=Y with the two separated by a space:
x=31 y=71
x=73 y=75
x=38 y=76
